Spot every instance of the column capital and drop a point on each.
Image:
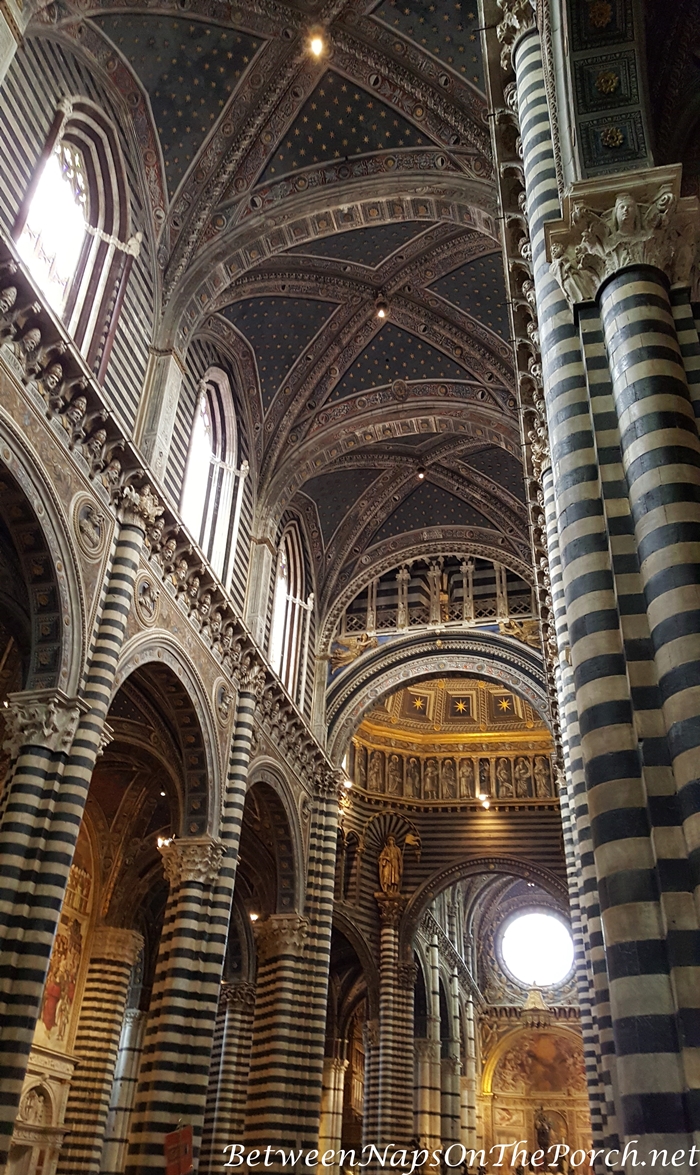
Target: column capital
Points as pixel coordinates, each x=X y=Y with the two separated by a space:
x=116 y=944
x=619 y=221
x=407 y=973
x=191 y=859
x=427 y=1050
x=391 y=907
x=251 y=678
x=279 y=934
x=44 y=718
x=138 y=507
x=519 y=17
x=242 y=993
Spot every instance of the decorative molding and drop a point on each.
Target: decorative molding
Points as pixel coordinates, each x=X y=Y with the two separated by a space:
x=610 y=225
x=42 y=718
x=191 y=860
x=281 y=934
x=116 y=945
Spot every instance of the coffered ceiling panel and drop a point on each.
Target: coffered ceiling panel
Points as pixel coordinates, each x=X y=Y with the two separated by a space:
x=366 y=246
x=449 y=29
x=189 y=69
x=396 y=354
x=278 y=330
x=337 y=121
x=335 y=494
x=429 y=505
x=478 y=288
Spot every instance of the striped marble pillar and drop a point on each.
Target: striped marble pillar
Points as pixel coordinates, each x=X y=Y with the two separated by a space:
x=278 y=1053
x=424 y=1050
x=176 y=1055
x=331 y=1119
x=469 y=1078
x=126 y=1075
x=112 y=958
x=433 y=1033
x=177 y=1044
x=648 y=1097
x=224 y=1119
x=370 y=1116
x=44 y=808
x=450 y=1069
x=395 y=1065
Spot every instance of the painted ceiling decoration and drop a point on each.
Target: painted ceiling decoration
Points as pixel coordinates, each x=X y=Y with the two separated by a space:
x=449 y=29
x=478 y=288
x=335 y=496
x=338 y=121
x=428 y=505
x=395 y=354
x=189 y=70
x=278 y=329
x=370 y=246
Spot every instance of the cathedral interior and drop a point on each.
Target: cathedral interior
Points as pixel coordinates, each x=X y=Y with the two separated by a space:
x=349 y=584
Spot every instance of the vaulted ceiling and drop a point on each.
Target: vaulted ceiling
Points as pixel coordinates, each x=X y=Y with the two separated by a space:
x=290 y=194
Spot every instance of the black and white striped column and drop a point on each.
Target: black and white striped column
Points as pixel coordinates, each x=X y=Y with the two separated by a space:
x=649 y=1096
x=224 y=1120
x=112 y=958
x=44 y=809
x=116 y=1142
x=176 y=1055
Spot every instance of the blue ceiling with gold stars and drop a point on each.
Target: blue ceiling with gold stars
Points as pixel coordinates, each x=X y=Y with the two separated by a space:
x=429 y=505
x=449 y=29
x=337 y=121
x=336 y=493
x=366 y=246
x=500 y=466
x=395 y=354
x=479 y=289
x=189 y=70
x=278 y=329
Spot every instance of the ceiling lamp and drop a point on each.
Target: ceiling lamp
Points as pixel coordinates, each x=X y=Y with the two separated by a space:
x=421 y=473
x=317 y=45
x=381 y=308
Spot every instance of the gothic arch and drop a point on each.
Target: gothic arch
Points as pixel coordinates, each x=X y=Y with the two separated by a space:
x=477 y=653
x=158 y=652
x=51 y=566
x=290 y=861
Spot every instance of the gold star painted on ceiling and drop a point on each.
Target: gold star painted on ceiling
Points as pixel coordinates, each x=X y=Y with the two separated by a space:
x=460 y=706
x=418 y=703
x=504 y=704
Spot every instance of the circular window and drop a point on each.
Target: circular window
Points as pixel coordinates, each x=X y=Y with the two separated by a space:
x=537 y=949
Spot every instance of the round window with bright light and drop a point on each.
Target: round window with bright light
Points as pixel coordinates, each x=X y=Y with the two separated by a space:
x=537 y=949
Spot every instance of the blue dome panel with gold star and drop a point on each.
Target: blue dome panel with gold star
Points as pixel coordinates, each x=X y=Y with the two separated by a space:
x=366 y=246
x=449 y=29
x=429 y=505
x=396 y=354
x=189 y=70
x=479 y=289
x=337 y=121
x=500 y=466
x=278 y=329
x=336 y=494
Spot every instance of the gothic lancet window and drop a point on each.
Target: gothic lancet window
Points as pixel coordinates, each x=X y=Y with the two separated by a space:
x=212 y=487
x=54 y=232
x=291 y=612
x=73 y=229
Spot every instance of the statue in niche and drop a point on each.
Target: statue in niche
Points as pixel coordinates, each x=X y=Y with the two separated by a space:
x=360 y=769
x=485 y=777
x=33 y=1107
x=412 y=777
x=466 y=779
x=394 y=776
x=523 y=775
x=430 y=790
x=376 y=771
x=504 y=779
x=542 y=1130
x=542 y=780
x=449 y=779
x=390 y=867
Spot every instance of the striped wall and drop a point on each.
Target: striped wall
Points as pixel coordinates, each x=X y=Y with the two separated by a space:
x=42 y=72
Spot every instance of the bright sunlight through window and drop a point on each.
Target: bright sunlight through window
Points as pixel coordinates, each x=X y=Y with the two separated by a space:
x=537 y=949
x=54 y=232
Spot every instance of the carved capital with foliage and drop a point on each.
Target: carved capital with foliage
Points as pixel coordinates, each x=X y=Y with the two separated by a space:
x=41 y=718
x=614 y=223
x=192 y=859
x=281 y=934
x=518 y=17
x=138 y=507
